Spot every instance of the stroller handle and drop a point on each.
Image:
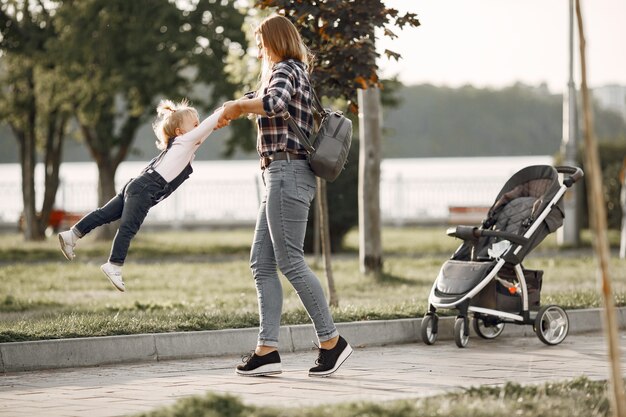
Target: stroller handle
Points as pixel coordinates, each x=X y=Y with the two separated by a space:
x=472 y=233
x=573 y=174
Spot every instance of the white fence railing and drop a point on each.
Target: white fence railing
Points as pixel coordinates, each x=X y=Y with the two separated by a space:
x=211 y=201
x=229 y=193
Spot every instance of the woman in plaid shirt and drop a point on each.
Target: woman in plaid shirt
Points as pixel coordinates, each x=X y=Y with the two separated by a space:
x=290 y=186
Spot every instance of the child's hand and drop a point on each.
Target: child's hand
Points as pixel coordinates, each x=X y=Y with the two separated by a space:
x=231 y=110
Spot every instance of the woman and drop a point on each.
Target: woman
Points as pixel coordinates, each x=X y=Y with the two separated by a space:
x=289 y=189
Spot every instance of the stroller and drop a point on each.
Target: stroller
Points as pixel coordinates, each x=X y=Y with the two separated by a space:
x=485 y=275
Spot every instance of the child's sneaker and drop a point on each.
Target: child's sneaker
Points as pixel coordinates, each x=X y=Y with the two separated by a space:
x=329 y=360
x=255 y=365
x=114 y=274
x=67 y=240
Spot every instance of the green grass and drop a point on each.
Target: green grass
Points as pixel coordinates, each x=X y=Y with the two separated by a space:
x=178 y=281
x=577 y=398
x=149 y=245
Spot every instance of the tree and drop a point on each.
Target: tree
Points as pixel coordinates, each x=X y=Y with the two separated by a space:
x=32 y=102
x=122 y=56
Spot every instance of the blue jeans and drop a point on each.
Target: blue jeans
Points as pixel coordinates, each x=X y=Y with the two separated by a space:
x=279 y=241
x=131 y=205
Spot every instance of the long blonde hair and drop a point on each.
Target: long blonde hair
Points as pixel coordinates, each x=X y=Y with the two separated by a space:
x=170 y=116
x=280 y=36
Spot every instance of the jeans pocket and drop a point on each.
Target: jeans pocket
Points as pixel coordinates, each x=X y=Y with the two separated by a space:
x=136 y=187
x=275 y=167
x=305 y=187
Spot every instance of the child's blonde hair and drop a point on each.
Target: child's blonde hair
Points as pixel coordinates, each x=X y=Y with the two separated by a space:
x=170 y=116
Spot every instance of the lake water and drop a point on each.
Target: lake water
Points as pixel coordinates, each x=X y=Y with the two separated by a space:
x=416 y=190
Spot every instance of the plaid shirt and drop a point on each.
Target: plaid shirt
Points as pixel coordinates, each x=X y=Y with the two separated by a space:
x=288 y=90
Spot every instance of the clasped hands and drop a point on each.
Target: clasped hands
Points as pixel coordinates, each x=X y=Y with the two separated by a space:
x=230 y=111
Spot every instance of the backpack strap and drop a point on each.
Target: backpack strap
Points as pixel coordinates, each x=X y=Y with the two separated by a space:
x=317 y=104
x=302 y=139
x=317 y=107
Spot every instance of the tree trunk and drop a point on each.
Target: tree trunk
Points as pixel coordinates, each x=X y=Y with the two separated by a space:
x=370 y=249
x=106 y=175
x=597 y=210
x=106 y=191
x=52 y=162
x=34 y=224
x=26 y=144
x=27 y=141
x=107 y=160
x=325 y=241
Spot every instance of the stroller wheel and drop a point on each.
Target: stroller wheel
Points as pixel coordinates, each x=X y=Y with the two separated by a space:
x=428 y=329
x=551 y=324
x=461 y=333
x=486 y=328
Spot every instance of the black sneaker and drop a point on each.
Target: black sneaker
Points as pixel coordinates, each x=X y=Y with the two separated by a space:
x=255 y=365
x=329 y=360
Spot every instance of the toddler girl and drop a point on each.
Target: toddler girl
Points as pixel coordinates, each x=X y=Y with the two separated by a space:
x=179 y=135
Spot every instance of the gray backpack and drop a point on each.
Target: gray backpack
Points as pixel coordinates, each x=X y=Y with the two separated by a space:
x=328 y=147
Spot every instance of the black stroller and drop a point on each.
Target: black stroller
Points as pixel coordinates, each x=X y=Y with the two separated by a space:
x=485 y=275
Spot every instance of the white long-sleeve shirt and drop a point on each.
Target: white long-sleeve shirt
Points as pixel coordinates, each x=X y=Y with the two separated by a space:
x=183 y=150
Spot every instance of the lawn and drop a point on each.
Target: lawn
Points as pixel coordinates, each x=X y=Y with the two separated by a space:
x=178 y=280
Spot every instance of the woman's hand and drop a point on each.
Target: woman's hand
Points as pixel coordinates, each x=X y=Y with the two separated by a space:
x=231 y=110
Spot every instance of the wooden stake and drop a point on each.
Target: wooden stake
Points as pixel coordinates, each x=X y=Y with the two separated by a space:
x=597 y=211
x=325 y=240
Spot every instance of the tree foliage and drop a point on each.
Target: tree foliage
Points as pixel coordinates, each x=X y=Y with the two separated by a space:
x=341 y=35
x=122 y=56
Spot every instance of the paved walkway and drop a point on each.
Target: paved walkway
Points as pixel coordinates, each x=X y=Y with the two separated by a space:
x=372 y=374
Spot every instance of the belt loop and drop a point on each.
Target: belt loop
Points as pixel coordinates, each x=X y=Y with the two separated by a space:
x=288 y=156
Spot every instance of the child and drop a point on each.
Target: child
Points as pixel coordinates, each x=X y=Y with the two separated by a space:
x=179 y=135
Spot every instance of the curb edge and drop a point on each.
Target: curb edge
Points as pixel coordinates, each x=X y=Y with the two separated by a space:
x=107 y=350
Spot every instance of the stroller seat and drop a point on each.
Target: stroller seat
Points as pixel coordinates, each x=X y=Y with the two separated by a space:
x=457 y=278
x=512 y=218
x=514 y=213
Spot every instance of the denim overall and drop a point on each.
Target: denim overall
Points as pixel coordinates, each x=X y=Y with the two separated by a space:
x=131 y=205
